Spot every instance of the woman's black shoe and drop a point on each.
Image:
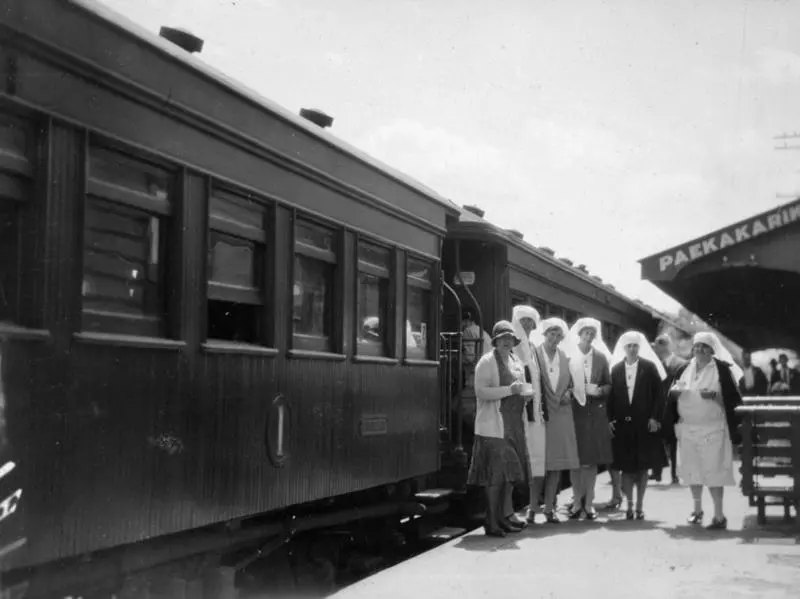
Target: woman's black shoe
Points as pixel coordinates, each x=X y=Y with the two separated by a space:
x=552 y=518
x=494 y=532
x=639 y=515
x=718 y=524
x=629 y=515
x=509 y=526
x=574 y=515
x=695 y=518
x=591 y=515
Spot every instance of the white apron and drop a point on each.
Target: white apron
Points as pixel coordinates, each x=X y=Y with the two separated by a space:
x=705 y=453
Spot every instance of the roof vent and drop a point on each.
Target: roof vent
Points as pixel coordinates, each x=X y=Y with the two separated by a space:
x=582 y=268
x=566 y=261
x=317 y=117
x=598 y=279
x=475 y=210
x=182 y=38
x=515 y=233
x=547 y=250
x=610 y=286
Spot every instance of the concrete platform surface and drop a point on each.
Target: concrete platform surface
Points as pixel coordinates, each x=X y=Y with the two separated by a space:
x=661 y=557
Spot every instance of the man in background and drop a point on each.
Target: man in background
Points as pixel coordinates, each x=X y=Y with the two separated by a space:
x=754 y=382
x=672 y=363
x=784 y=380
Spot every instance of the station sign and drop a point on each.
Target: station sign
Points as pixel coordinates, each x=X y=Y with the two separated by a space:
x=665 y=265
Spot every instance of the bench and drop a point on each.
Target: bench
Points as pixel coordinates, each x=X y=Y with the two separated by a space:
x=770 y=452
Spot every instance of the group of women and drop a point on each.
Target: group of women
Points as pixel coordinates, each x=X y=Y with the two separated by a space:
x=551 y=399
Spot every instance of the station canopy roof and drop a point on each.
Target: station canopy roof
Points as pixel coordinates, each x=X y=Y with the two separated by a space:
x=743 y=279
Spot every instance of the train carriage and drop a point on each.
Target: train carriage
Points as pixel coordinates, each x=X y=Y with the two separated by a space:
x=211 y=307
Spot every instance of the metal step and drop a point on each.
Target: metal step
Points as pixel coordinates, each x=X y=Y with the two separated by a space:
x=444 y=534
x=432 y=496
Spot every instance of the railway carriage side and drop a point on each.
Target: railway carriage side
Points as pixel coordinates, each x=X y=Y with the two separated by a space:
x=209 y=315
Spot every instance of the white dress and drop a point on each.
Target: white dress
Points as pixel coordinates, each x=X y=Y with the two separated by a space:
x=535 y=432
x=705 y=453
x=535 y=435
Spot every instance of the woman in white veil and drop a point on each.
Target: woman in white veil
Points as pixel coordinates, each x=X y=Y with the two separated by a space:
x=636 y=413
x=526 y=321
x=591 y=371
x=646 y=351
x=705 y=396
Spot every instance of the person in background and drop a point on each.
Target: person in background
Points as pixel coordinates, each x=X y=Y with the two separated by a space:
x=784 y=380
x=471 y=332
x=561 y=451
x=497 y=463
x=635 y=411
x=672 y=364
x=753 y=382
x=589 y=359
x=525 y=321
x=707 y=425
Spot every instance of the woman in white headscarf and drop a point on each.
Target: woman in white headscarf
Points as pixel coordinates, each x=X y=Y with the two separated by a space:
x=703 y=405
x=525 y=321
x=558 y=389
x=590 y=361
x=635 y=414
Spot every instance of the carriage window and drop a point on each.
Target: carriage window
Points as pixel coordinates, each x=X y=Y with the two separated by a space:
x=374 y=320
x=9 y=256
x=419 y=297
x=16 y=170
x=125 y=245
x=236 y=262
x=313 y=290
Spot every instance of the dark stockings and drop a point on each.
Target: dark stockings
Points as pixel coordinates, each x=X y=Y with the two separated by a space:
x=631 y=480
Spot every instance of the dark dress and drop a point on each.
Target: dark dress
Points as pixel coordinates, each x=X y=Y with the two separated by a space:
x=635 y=448
x=591 y=420
x=496 y=461
x=512 y=409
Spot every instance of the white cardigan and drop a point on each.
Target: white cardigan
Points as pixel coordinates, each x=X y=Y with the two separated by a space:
x=488 y=420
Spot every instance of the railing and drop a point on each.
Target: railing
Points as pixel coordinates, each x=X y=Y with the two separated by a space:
x=771 y=451
x=458 y=357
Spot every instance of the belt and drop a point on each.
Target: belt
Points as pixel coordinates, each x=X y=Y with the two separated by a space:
x=628 y=419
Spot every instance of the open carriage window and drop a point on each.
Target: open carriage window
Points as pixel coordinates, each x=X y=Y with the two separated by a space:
x=374 y=320
x=126 y=217
x=236 y=265
x=17 y=148
x=419 y=309
x=313 y=289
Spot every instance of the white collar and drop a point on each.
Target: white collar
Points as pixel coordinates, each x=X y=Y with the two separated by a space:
x=634 y=365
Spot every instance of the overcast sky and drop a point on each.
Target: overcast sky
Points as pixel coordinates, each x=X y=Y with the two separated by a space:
x=606 y=130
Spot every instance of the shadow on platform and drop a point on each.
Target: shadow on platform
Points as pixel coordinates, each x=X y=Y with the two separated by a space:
x=775 y=532
x=480 y=542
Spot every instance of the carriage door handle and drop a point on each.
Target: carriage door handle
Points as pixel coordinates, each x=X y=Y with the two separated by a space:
x=279 y=414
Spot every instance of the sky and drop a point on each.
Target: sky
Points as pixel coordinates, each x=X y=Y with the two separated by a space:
x=606 y=130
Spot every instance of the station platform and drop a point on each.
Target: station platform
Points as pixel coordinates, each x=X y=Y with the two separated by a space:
x=660 y=557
